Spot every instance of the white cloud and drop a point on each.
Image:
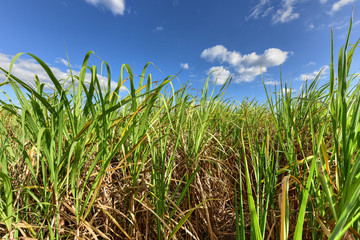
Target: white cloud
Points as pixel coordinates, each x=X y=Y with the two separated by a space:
x=311 y=26
x=117 y=7
x=217 y=52
x=283 y=14
x=323 y=1
x=249 y=74
x=288 y=90
x=270 y=58
x=272 y=82
x=247 y=66
x=63 y=61
x=312 y=76
x=258 y=10
x=338 y=25
x=267 y=11
x=356 y=23
x=219 y=74
x=286 y=13
x=311 y=63
x=184 y=66
x=26 y=69
x=339 y=4
x=158 y=29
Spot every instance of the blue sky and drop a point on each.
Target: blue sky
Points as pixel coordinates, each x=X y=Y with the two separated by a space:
x=232 y=38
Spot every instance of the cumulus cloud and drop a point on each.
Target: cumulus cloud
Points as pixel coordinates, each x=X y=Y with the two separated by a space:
x=339 y=4
x=117 y=7
x=219 y=74
x=270 y=58
x=247 y=66
x=313 y=75
x=217 y=52
x=283 y=13
x=184 y=66
x=249 y=74
x=26 y=69
x=288 y=90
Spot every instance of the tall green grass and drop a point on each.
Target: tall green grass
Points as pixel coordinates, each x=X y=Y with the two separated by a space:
x=85 y=161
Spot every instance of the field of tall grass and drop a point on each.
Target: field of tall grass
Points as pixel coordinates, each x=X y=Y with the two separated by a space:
x=86 y=162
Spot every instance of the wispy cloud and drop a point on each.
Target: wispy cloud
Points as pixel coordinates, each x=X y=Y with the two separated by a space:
x=313 y=75
x=339 y=4
x=339 y=24
x=310 y=26
x=286 y=13
x=283 y=13
x=246 y=66
x=26 y=69
x=184 y=66
x=63 y=61
x=356 y=23
x=117 y=7
x=158 y=29
x=260 y=9
x=272 y=82
x=311 y=63
x=175 y=2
